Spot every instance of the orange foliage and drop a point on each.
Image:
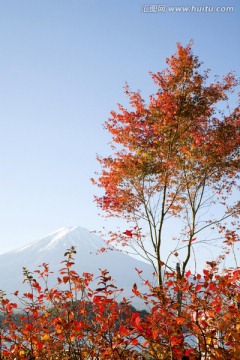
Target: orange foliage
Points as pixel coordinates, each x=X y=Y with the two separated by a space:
x=172 y=156
x=80 y=323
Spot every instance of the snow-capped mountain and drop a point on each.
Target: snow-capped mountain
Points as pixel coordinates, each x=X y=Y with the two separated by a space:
x=51 y=249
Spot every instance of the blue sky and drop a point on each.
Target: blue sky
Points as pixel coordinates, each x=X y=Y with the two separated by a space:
x=63 y=66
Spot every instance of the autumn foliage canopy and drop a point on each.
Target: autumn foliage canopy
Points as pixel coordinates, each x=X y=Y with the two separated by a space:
x=173 y=157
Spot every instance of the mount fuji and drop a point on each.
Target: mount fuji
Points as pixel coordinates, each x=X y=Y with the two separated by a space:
x=51 y=249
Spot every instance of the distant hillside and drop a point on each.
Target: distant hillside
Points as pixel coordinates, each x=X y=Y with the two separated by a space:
x=51 y=249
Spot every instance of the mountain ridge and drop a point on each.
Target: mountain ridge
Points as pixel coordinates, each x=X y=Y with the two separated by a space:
x=51 y=248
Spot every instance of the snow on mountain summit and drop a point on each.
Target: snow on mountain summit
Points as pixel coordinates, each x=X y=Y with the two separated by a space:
x=65 y=238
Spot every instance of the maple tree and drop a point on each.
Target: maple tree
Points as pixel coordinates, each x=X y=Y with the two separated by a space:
x=73 y=321
x=173 y=157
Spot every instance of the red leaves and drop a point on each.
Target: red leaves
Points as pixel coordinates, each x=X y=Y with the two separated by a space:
x=135 y=290
x=5 y=352
x=218 y=309
x=10 y=306
x=189 y=351
x=97 y=299
x=128 y=233
x=198 y=287
x=39 y=345
x=176 y=340
x=135 y=320
x=138 y=271
x=190 y=240
x=123 y=330
x=28 y=295
x=65 y=279
x=29 y=327
x=134 y=342
x=107 y=328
